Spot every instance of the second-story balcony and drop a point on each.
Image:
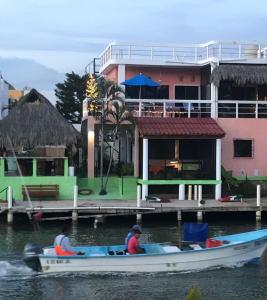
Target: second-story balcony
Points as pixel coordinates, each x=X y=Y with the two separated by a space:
x=193 y=108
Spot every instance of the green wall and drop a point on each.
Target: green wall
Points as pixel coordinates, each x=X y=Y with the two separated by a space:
x=66 y=183
x=117 y=189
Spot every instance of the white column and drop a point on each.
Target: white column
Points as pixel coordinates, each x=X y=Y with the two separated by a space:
x=218 y=187
x=145 y=168
x=214 y=96
x=121 y=75
x=181 y=192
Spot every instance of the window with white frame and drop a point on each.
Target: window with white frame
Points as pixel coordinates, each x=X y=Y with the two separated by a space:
x=243 y=148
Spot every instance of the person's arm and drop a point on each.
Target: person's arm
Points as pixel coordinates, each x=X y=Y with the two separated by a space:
x=65 y=244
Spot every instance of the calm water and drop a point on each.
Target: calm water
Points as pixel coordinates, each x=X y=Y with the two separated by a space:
x=18 y=282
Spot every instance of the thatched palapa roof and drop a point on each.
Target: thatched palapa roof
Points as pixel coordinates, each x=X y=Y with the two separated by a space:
x=34 y=121
x=240 y=74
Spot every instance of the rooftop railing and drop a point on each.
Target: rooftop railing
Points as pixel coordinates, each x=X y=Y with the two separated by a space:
x=194 y=53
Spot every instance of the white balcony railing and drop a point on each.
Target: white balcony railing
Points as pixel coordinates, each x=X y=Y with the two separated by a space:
x=193 y=108
x=169 y=108
x=193 y=53
x=242 y=109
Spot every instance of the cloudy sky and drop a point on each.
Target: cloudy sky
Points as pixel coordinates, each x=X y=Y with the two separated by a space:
x=66 y=34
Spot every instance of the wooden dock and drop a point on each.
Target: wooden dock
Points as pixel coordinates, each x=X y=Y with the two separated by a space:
x=93 y=209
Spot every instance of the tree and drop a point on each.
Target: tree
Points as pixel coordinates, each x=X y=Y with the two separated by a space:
x=229 y=182
x=92 y=95
x=71 y=94
x=116 y=114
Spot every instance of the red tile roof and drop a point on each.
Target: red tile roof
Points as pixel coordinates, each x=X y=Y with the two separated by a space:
x=179 y=127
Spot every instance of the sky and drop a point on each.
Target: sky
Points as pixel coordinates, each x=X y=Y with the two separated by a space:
x=65 y=35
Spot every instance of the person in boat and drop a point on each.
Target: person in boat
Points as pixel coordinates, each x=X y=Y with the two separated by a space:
x=133 y=244
x=131 y=234
x=62 y=243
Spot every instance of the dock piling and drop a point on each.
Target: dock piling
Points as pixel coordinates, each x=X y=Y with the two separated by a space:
x=138 y=216
x=199 y=204
x=258 y=212
x=179 y=216
x=75 y=204
x=10 y=205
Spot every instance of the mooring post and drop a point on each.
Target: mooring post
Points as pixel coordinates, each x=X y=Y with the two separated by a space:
x=9 y=205
x=258 y=212
x=199 y=204
x=138 y=194
x=195 y=192
x=179 y=216
x=75 y=204
x=190 y=192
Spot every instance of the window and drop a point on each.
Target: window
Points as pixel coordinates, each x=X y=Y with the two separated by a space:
x=243 y=148
x=186 y=92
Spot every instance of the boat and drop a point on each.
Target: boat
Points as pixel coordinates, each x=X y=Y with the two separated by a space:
x=220 y=251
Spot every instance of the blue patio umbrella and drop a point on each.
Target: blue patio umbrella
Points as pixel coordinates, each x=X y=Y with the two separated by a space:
x=140 y=80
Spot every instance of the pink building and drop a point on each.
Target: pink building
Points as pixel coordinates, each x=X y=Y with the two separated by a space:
x=222 y=81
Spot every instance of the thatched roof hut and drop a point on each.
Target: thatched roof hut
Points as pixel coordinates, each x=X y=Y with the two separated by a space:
x=240 y=74
x=34 y=121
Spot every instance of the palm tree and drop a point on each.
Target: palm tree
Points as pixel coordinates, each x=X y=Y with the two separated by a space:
x=118 y=115
x=108 y=92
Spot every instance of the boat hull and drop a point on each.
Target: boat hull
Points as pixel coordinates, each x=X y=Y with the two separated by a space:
x=225 y=256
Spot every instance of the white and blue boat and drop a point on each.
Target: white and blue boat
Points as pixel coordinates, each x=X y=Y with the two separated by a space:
x=226 y=251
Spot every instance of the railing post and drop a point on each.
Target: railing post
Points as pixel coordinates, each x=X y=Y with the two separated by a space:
x=34 y=167
x=220 y=51
x=181 y=192
x=140 y=109
x=196 y=53
x=195 y=192
x=189 y=110
x=66 y=167
x=257 y=110
x=164 y=109
x=236 y=110
x=190 y=192
x=2 y=167
x=239 y=50
x=199 y=195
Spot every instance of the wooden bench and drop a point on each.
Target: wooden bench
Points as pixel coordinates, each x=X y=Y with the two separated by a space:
x=42 y=190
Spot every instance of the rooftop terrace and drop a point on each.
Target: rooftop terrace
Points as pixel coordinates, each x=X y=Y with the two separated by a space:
x=198 y=54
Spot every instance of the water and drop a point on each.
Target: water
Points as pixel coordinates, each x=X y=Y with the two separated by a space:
x=19 y=282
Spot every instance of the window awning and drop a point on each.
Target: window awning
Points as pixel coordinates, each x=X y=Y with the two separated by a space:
x=152 y=127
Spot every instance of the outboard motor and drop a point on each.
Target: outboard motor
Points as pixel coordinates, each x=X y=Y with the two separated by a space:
x=30 y=256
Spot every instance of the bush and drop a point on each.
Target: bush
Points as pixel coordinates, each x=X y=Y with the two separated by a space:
x=194 y=294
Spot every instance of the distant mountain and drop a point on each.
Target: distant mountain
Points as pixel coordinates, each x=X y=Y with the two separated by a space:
x=26 y=72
